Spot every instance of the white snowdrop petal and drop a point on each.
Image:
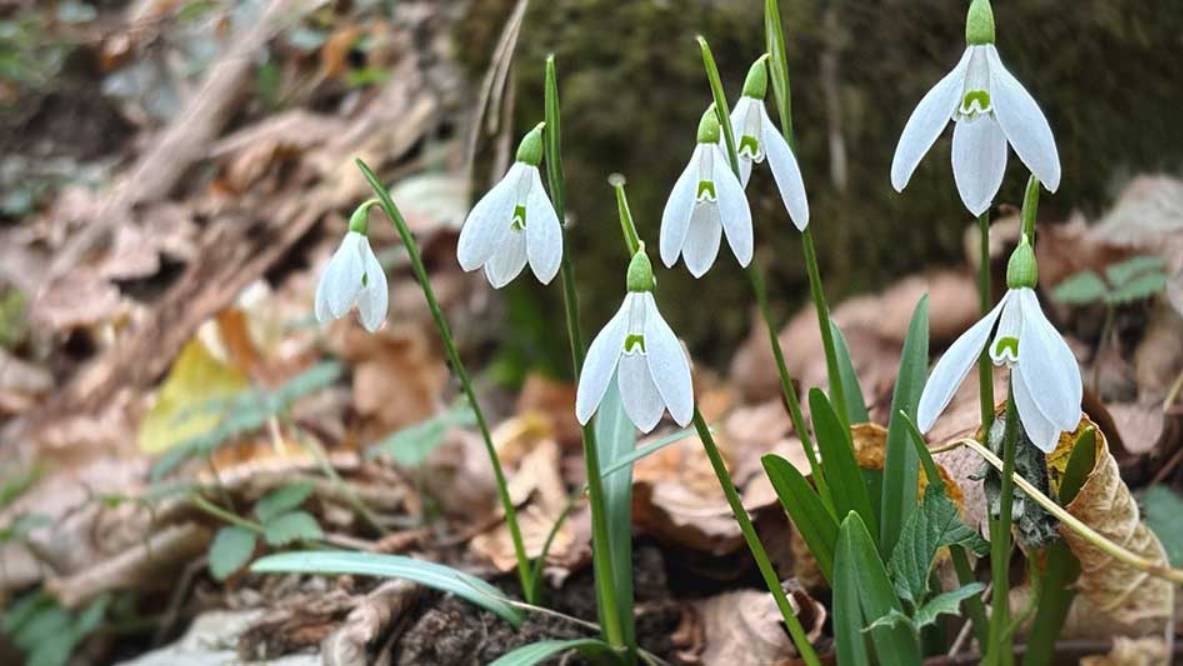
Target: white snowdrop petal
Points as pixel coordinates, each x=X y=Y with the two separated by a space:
x=374 y=297
x=979 y=161
x=600 y=363
x=1007 y=348
x=1048 y=366
x=322 y=297
x=508 y=260
x=702 y=239
x=675 y=219
x=642 y=402
x=926 y=123
x=786 y=172
x=734 y=213
x=951 y=370
x=487 y=224
x=738 y=115
x=1040 y=430
x=343 y=277
x=544 y=235
x=668 y=364
x=1023 y=123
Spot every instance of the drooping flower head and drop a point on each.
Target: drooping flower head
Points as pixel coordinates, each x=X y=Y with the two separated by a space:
x=514 y=223
x=354 y=277
x=756 y=138
x=1044 y=373
x=989 y=108
x=640 y=350
x=707 y=200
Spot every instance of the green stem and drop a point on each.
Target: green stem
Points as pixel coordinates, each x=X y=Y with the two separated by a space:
x=985 y=302
x=999 y=641
x=1030 y=207
x=613 y=626
x=796 y=631
x=224 y=515
x=511 y=514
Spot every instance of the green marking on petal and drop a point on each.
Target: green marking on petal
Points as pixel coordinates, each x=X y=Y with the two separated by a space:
x=1008 y=345
x=519 y=219
x=706 y=190
x=634 y=340
x=749 y=145
x=975 y=101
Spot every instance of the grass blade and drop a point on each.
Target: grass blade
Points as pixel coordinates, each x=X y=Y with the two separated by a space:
x=847 y=485
x=536 y=653
x=436 y=576
x=901 y=473
x=804 y=506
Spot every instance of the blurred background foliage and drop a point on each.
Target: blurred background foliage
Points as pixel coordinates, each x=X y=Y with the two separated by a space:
x=633 y=88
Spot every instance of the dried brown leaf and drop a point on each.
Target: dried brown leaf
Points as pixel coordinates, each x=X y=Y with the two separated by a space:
x=744 y=628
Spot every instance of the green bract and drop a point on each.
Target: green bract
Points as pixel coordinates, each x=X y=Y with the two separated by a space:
x=1021 y=270
x=640 y=272
x=530 y=149
x=708 y=127
x=756 y=83
x=979 y=23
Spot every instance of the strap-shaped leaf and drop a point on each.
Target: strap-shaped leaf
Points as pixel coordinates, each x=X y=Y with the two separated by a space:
x=901 y=472
x=436 y=576
x=804 y=506
x=847 y=485
x=856 y=407
x=535 y=653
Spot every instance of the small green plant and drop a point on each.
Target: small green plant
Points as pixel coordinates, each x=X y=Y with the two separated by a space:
x=1134 y=279
x=46 y=632
x=278 y=521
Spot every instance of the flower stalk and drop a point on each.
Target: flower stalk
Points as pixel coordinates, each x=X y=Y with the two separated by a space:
x=999 y=650
x=511 y=515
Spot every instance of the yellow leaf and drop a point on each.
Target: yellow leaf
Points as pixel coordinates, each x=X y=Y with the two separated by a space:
x=178 y=415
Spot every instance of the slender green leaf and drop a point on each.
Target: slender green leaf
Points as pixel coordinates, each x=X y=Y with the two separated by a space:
x=627 y=461
x=617 y=438
x=282 y=500
x=856 y=408
x=430 y=574
x=1080 y=465
x=1082 y=288
x=901 y=472
x=856 y=550
x=291 y=527
x=1163 y=509
x=846 y=481
x=231 y=550
x=536 y=653
x=850 y=642
x=936 y=524
x=1056 y=592
x=804 y=506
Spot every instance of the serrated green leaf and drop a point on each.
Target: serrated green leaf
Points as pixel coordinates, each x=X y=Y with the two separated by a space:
x=616 y=437
x=901 y=466
x=847 y=485
x=231 y=550
x=282 y=500
x=1139 y=288
x=815 y=524
x=536 y=653
x=893 y=620
x=435 y=576
x=1162 y=511
x=1081 y=288
x=857 y=561
x=936 y=524
x=410 y=446
x=291 y=527
x=945 y=603
x=1124 y=271
x=856 y=407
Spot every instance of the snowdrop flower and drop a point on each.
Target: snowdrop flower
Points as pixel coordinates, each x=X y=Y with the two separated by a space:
x=706 y=201
x=640 y=350
x=354 y=277
x=1044 y=374
x=756 y=138
x=990 y=108
x=514 y=223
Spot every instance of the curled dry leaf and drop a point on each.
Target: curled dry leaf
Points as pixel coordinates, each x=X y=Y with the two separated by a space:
x=744 y=628
x=1140 y=602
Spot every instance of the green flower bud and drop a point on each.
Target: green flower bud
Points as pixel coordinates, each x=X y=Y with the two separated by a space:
x=756 y=83
x=360 y=220
x=979 y=23
x=640 y=272
x=708 y=127
x=530 y=149
x=1022 y=270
